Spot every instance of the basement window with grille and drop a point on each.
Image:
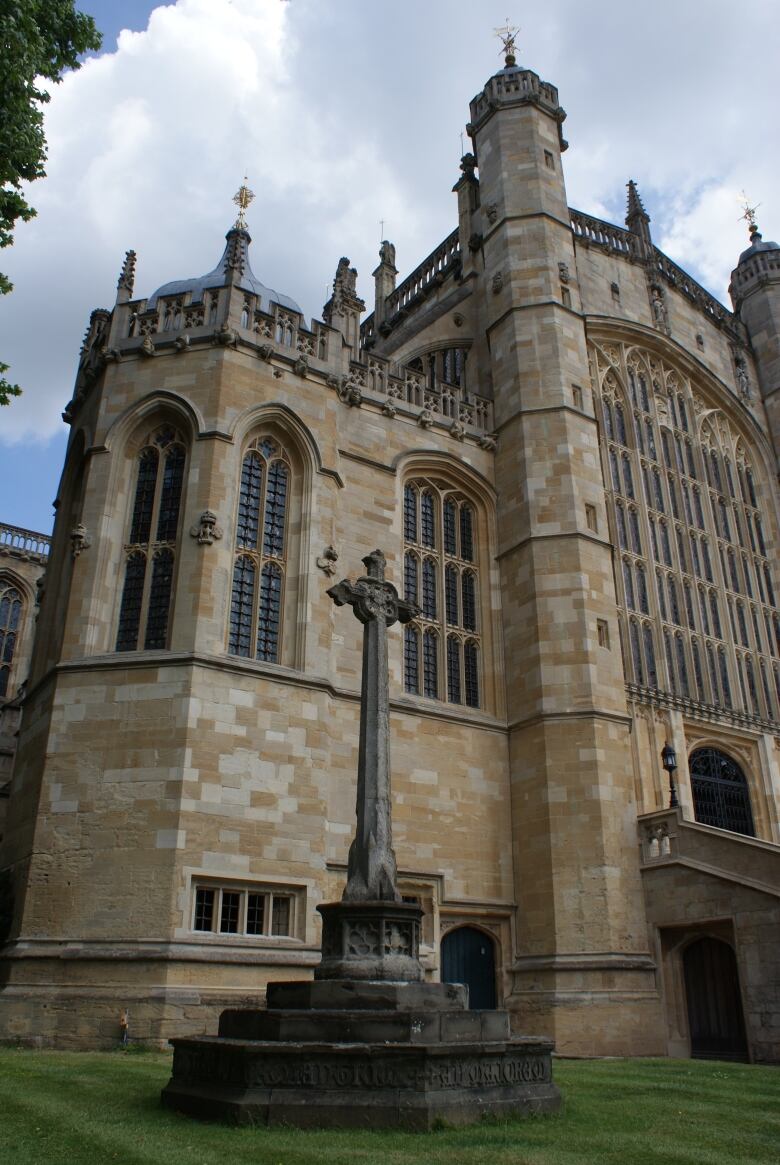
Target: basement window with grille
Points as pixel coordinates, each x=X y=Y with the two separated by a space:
x=250 y=911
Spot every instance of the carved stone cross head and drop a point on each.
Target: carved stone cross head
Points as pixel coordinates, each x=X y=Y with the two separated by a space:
x=372 y=597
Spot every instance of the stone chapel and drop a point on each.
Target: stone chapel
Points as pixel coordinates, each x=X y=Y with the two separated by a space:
x=567 y=449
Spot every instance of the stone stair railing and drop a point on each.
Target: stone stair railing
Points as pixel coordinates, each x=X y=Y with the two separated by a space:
x=667 y=838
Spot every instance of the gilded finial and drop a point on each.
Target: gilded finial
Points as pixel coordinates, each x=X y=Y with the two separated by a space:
x=750 y=214
x=507 y=36
x=242 y=200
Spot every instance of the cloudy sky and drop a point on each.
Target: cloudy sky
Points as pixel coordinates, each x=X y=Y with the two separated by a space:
x=345 y=113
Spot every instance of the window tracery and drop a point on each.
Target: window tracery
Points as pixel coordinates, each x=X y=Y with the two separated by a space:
x=11 y=617
x=260 y=562
x=696 y=521
x=442 y=646
x=150 y=550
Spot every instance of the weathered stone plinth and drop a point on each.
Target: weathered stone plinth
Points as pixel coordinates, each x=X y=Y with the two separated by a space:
x=378 y=1055
x=359 y=1085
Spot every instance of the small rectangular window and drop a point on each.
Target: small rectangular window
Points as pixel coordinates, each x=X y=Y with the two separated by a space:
x=602 y=629
x=591 y=517
x=204 y=909
x=228 y=916
x=549 y=161
x=255 y=913
x=576 y=396
x=244 y=910
x=280 y=919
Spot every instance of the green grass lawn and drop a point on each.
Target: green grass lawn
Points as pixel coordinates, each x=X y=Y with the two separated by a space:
x=73 y=1108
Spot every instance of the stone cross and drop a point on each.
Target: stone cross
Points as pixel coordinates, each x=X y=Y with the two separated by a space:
x=371 y=872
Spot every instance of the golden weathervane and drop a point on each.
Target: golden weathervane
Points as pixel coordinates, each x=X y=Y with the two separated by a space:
x=242 y=200
x=750 y=214
x=507 y=36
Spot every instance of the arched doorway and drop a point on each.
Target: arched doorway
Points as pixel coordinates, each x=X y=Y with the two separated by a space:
x=468 y=956
x=720 y=791
x=715 y=1021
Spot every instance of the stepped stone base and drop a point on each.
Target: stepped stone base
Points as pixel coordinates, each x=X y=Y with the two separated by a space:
x=361 y=1054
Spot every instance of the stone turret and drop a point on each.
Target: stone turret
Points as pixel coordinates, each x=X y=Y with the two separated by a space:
x=755 y=293
x=572 y=792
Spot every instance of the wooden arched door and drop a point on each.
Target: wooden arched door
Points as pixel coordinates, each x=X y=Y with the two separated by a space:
x=715 y=1021
x=468 y=956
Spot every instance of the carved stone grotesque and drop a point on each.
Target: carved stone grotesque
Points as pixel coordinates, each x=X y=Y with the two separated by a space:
x=79 y=540
x=226 y=337
x=327 y=561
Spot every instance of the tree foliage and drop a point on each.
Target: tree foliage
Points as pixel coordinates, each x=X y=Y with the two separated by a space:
x=39 y=39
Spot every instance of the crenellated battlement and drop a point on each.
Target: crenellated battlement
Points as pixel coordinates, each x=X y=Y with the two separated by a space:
x=514 y=86
x=753 y=272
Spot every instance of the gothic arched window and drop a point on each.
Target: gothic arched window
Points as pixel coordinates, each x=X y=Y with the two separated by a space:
x=260 y=552
x=11 y=611
x=150 y=550
x=442 y=646
x=695 y=532
x=720 y=792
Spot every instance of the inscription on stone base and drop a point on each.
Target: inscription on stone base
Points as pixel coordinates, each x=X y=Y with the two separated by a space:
x=345 y=1085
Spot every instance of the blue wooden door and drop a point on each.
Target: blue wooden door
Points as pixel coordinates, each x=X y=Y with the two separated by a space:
x=468 y=956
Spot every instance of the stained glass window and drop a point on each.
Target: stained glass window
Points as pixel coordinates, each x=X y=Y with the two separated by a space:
x=710 y=488
x=453 y=670
x=257 y=598
x=430 y=664
x=145 y=605
x=471 y=672
x=269 y=615
x=159 y=599
x=440 y=536
x=249 y=501
x=10 y=624
x=450 y=519
x=411 y=659
x=241 y=607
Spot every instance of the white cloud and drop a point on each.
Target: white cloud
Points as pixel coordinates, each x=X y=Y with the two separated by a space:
x=348 y=112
